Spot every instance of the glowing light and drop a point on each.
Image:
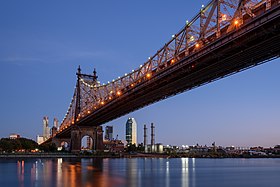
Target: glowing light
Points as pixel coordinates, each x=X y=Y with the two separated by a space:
x=172 y=61
x=224 y=17
x=197 y=45
x=236 y=22
x=187 y=22
x=110 y=98
x=111 y=92
x=192 y=38
x=173 y=36
x=119 y=93
x=102 y=103
x=141 y=66
x=202 y=6
x=132 y=85
x=148 y=75
x=88 y=111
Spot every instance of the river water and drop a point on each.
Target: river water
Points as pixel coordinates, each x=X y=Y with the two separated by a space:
x=183 y=172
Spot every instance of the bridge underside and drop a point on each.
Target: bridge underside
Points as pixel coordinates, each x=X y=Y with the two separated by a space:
x=254 y=43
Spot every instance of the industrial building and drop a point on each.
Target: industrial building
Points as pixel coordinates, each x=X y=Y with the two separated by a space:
x=153 y=147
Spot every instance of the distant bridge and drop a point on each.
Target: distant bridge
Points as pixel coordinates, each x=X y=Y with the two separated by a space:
x=225 y=37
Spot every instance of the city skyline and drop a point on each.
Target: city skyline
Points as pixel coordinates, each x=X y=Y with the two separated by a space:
x=41 y=54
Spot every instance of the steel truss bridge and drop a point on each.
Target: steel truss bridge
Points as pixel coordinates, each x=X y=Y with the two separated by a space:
x=225 y=37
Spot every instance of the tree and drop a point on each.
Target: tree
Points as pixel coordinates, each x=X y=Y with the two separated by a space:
x=49 y=147
x=9 y=145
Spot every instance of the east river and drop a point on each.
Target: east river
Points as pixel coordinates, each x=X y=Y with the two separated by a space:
x=159 y=172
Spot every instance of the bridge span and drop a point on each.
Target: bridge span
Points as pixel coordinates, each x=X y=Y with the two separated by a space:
x=225 y=37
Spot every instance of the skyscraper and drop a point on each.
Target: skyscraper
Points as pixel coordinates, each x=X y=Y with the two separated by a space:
x=46 y=128
x=55 y=122
x=89 y=143
x=131 y=131
x=109 y=133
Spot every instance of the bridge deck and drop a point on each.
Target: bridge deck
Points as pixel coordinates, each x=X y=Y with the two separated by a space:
x=256 y=42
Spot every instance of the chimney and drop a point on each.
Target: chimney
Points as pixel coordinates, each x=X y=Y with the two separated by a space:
x=145 y=135
x=152 y=134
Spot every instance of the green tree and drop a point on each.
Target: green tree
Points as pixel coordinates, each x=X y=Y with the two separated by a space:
x=9 y=145
x=49 y=147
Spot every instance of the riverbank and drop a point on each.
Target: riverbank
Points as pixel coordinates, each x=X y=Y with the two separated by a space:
x=38 y=155
x=123 y=155
x=69 y=155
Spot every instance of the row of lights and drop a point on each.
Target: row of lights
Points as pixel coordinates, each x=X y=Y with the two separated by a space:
x=148 y=75
x=118 y=93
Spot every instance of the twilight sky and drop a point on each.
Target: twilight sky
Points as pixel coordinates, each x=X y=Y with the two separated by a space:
x=43 y=42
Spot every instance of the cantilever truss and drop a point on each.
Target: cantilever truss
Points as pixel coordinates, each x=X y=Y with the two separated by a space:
x=215 y=20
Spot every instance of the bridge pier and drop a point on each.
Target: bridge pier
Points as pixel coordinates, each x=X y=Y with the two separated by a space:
x=58 y=141
x=75 y=145
x=78 y=132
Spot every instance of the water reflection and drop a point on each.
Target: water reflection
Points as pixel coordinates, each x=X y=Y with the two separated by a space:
x=167 y=174
x=184 y=172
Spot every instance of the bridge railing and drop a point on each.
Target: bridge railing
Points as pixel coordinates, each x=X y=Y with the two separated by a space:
x=214 y=20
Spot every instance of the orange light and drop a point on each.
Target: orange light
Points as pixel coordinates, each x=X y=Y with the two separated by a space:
x=224 y=17
x=172 y=61
x=102 y=103
x=110 y=98
x=193 y=66
x=197 y=45
x=236 y=22
x=88 y=111
x=95 y=107
x=148 y=75
x=132 y=85
x=72 y=122
x=119 y=93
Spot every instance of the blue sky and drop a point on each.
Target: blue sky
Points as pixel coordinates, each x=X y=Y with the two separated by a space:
x=43 y=42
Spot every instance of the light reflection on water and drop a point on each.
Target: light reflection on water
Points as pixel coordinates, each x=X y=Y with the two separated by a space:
x=183 y=172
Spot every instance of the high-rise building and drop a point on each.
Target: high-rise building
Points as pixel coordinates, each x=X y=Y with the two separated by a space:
x=109 y=133
x=131 y=131
x=89 y=143
x=54 y=129
x=40 y=139
x=55 y=122
x=46 y=128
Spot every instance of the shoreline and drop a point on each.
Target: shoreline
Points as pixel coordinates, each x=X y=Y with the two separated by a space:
x=138 y=155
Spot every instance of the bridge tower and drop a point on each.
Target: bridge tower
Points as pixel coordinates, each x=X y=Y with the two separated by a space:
x=77 y=131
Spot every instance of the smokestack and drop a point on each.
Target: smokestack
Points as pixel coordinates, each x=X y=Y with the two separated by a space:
x=145 y=135
x=152 y=134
